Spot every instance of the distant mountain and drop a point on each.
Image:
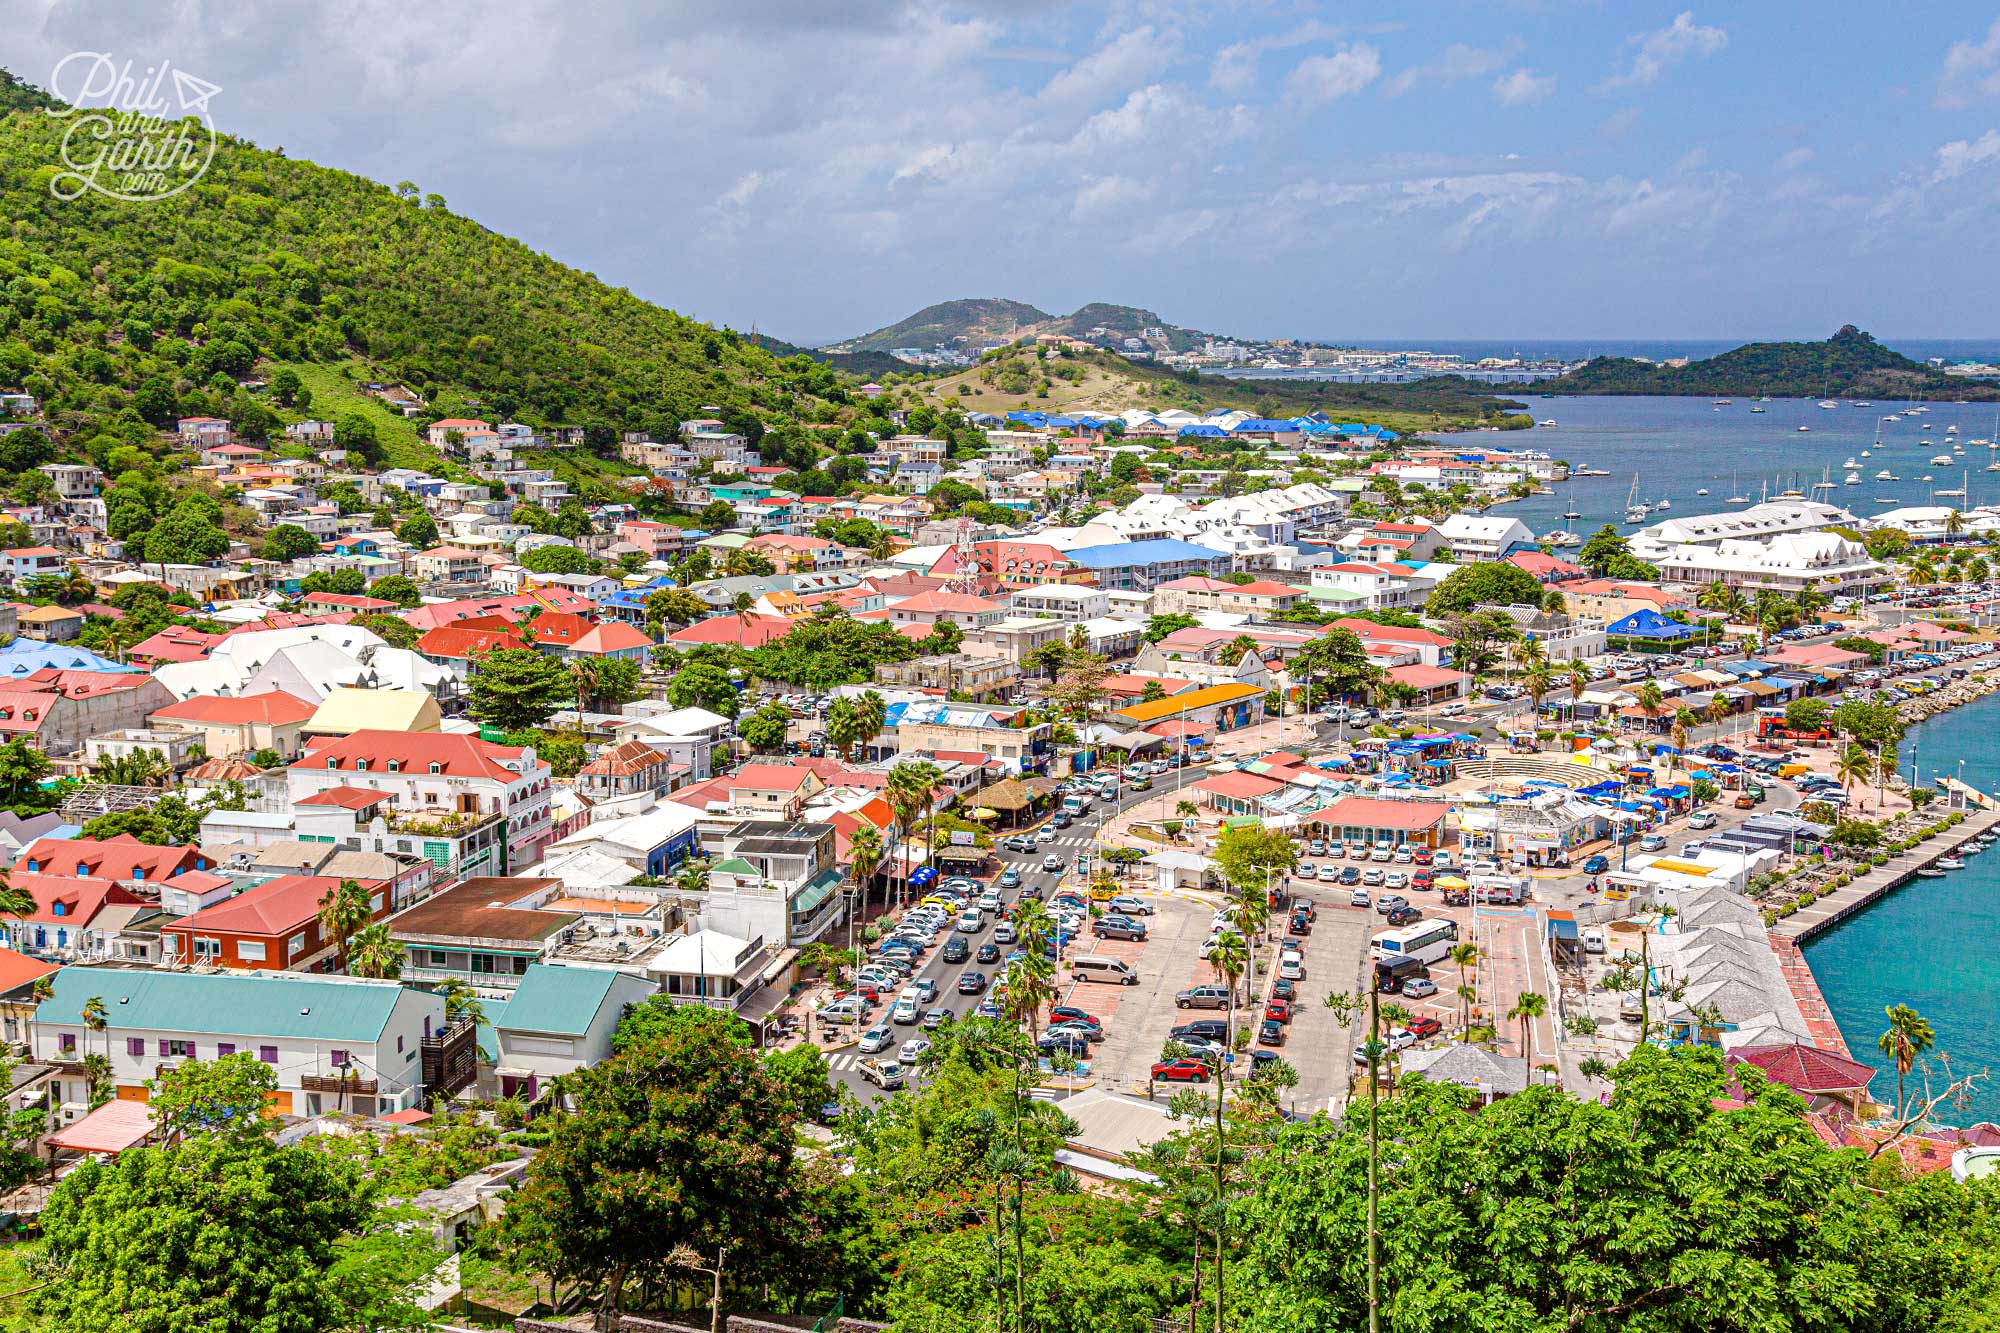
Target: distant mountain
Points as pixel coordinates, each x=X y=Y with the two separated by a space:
x=979 y=319
x=1850 y=364
x=867 y=365
x=989 y=322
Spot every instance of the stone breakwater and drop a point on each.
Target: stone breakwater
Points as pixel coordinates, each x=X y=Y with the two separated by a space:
x=1954 y=695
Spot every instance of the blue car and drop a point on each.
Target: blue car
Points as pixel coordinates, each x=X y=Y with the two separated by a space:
x=1597 y=865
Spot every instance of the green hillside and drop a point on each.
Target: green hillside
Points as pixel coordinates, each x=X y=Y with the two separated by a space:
x=120 y=316
x=1123 y=321
x=1850 y=364
x=979 y=319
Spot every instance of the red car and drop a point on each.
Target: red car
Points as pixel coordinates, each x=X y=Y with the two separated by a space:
x=1424 y=1026
x=1422 y=856
x=1422 y=880
x=1069 y=1013
x=1279 y=1010
x=1184 y=1070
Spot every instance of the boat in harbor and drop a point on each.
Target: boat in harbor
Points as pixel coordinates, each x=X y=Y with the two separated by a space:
x=1886 y=475
x=1561 y=539
x=1828 y=404
x=1850 y=463
x=1664 y=504
x=1549 y=422
x=1738 y=498
x=1852 y=479
x=1930 y=872
x=1804 y=428
x=1942 y=460
x=1635 y=508
x=1952 y=863
x=1756 y=409
x=1702 y=491
x=1719 y=402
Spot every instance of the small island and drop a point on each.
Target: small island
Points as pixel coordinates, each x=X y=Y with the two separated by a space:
x=1850 y=364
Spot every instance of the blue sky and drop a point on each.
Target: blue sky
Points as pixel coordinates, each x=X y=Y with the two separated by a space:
x=1542 y=169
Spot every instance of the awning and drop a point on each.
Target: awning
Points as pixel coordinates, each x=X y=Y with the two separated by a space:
x=921 y=876
x=962 y=855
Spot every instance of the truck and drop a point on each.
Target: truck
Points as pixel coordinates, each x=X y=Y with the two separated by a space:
x=1501 y=890
x=1076 y=803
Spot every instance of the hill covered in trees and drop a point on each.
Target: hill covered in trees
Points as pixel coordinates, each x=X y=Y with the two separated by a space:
x=1850 y=364
x=115 y=314
x=974 y=319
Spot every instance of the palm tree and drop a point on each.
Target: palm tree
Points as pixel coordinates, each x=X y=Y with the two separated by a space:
x=16 y=904
x=1228 y=956
x=1683 y=721
x=873 y=713
x=844 y=727
x=461 y=1002
x=1717 y=596
x=1954 y=523
x=587 y=676
x=1718 y=709
x=374 y=954
x=1579 y=681
x=1908 y=1037
x=1649 y=698
x=1030 y=990
x=1885 y=768
x=43 y=990
x=912 y=792
x=97 y=1019
x=864 y=854
x=342 y=911
x=1539 y=682
x=1528 y=1006
x=1466 y=956
x=1854 y=766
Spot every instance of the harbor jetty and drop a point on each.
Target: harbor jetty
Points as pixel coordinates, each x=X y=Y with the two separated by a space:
x=1837 y=904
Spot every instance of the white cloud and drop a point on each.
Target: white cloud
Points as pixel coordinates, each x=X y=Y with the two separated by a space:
x=1694 y=159
x=1618 y=124
x=1523 y=87
x=1322 y=79
x=1960 y=156
x=1795 y=159
x=1971 y=71
x=1132 y=58
x=1234 y=69
x=1101 y=195
x=746 y=187
x=1455 y=64
x=1664 y=48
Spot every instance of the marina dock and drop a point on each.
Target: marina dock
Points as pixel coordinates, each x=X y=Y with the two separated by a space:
x=1900 y=869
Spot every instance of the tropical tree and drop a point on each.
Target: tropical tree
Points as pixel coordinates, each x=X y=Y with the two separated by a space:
x=912 y=793
x=1854 y=766
x=1908 y=1036
x=97 y=1019
x=1539 y=682
x=1528 y=1006
x=373 y=953
x=873 y=712
x=343 y=910
x=1649 y=698
x=1229 y=956
x=844 y=727
x=1684 y=722
x=1466 y=956
x=864 y=853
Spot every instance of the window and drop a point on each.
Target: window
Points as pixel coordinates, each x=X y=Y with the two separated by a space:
x=138 y=872
x=338 y=1059
x=268 y=1054
x=333 y=763
x=207 y=946
x=361 y=766
x=174 y=1046
x=58 y=909
x=436 y=767
x=395 y=765
x=82 y=870
x=66 y=1041
x=399 y=1043
x=250 y=951
x=223 y=1048
x=135 y=1046
x=295 y=944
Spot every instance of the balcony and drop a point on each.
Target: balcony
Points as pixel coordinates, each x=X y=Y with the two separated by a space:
x=335 y=1083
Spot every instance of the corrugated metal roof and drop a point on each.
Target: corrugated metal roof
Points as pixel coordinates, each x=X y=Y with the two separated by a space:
x=258 y=1004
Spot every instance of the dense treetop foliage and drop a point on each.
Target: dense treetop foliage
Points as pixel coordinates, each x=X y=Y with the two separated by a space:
x=1849 y=364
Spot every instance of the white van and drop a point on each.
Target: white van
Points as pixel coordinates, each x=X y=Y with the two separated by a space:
x=1092 y=968
x=907 y=1006
x=1593 y=939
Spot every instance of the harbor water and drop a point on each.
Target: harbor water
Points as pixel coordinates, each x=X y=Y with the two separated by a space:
x=1933 y=944
x=1677 y=447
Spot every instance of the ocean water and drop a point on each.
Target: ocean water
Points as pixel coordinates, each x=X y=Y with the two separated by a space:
x=1933 y=944
x=1676 y=447
x=1654 y=349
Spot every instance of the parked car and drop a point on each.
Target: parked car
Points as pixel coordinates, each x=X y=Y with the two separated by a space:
x=1126 y=904
x=1403 y=916
x=1424 y=1026
x=1183 y=1070
x=1270 y=1033
x=1118 y=928
x=1417 y=988
x=1278 y=1011
x=1702 y=819
x=1652 y=842
x=1202 y=997
x=1069 y=1013
x=971 y=983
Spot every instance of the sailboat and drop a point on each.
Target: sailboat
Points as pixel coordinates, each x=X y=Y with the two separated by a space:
x=1635 y=509
x=1738 y=498
x=1572 y=511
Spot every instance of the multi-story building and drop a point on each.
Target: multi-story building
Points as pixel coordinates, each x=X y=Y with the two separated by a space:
x=451 y=781
x=976 y=728
x=333 y=1043
x=1198 y=593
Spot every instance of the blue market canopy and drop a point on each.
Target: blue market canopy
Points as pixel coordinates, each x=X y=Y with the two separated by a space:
x=1648 y=624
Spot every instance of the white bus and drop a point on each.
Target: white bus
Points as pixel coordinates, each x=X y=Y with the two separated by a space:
x=1423 y=942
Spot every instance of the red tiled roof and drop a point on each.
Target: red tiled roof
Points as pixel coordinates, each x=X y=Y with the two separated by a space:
x=629 y=758
x=275 y=708
x=1369 y=812
x=457 y=642
x=17 y=970
x=770 y=777
x=415 y=752
x=176 y=643
x=1805 y=1069
x=351 y=798
x=1421 y=677
x=751 y=631
x=1239 y=786
x=276 y=907
x=353 y=601
x=112 y=858
x=611 y=637
x=80 y=900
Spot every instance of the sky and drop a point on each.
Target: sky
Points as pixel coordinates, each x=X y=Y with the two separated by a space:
x=814 y=169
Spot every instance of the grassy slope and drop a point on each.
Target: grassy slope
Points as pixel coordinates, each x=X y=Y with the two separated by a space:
x=334 y=393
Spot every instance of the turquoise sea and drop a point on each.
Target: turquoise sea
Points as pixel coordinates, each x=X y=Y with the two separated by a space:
x=1677 y=447
x=1934 y=944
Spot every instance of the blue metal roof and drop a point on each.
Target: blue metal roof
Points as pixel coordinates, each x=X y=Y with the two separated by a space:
x=1159 y=551
x=1204 y=430
x=24 y=657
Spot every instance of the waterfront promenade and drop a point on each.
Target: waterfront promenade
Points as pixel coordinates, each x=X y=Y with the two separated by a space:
x=1839 y=903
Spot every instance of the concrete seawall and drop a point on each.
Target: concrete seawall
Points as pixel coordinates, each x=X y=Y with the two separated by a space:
x=1841 y=903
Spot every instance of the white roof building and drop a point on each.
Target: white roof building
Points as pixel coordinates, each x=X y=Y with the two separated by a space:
x=1789 y=563
x=1770 y=519
x=1483 y=536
